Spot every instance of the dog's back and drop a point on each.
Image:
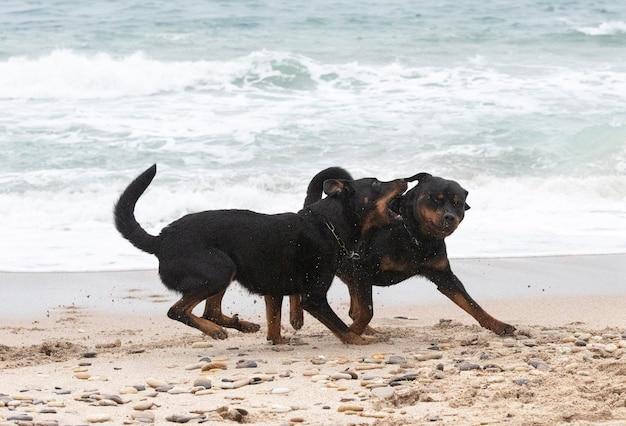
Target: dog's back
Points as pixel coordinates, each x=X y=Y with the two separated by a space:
x=270 y=253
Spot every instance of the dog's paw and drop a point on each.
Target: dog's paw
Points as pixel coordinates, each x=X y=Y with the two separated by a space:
x=296 y=322
x=504 y=329
x=370 y=331
x=249 y=327
x=355 y=339
x=220 y=334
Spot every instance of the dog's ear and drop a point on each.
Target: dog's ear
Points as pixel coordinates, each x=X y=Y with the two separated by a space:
x=335 y=186
x=420 y=177
x=467 y=207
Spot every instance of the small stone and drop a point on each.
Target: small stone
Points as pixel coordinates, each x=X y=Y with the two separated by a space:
x=319 y=377
x=143 y=405
x=580 y=342
x=236 y=384
x=610 y=348
x=428 y=355
x=395 y=381
x=468 y=366
x=176 y=418
x=438 y=374
x=155 y=383
x=396 y=359
x=107 y=403
x=176 y=390
x=127 y=390
x=139 y=415
x=47 y=423
x=201 y=345
x=318 y=361
x=205 y=383
x=21 y=418
x=195 y=366
x=82 y=376
x=214 y=365
x=341 y=375
x=165 y=388
x=539 y=364
x=246 y=364
x=383 y=392
x=349 y=407
x=98 y=418
x=90 y=354
x=279 y=391
x=310 y=372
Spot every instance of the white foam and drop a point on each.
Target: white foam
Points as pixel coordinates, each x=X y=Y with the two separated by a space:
x=605 y=28
x=66 y=230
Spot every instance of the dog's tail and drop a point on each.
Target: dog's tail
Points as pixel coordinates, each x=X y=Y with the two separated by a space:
x=316 y=186
x=124 y=213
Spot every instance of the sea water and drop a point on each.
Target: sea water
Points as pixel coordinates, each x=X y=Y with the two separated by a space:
x=240 y=103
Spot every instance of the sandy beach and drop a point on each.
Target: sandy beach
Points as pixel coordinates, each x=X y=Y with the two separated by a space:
x=88 y=348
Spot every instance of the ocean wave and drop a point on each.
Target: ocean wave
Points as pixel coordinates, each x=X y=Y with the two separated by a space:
x=275 y=76
x=605 y=29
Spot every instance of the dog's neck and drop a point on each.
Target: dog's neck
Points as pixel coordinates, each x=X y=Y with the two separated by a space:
x=411 y=224
x=341 y=223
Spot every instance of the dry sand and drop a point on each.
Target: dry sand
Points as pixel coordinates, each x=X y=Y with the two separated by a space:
x=80 y=360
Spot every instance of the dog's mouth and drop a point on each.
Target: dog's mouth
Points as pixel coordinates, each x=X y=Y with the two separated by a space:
x=393 y=208
x=439 y=231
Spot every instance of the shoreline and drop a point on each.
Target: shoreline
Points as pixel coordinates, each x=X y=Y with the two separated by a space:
x=486 y=279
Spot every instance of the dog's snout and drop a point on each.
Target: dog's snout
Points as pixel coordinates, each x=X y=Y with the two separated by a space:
x=449 y=219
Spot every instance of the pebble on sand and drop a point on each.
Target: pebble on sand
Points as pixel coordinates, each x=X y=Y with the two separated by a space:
x=98 y=418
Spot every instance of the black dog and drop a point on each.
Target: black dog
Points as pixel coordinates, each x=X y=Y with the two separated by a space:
x=431 y=211
x=200 y=254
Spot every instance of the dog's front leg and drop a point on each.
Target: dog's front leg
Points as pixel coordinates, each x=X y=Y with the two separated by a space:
x=451 y=287
x=361 y=307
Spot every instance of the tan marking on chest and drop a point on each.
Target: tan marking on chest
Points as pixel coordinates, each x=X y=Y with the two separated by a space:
x=388 y=264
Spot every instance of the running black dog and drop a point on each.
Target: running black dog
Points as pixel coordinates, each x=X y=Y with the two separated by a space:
x=432 y=210
x=200 y=254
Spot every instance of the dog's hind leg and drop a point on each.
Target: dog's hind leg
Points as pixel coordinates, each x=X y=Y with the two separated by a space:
x=213 y=312
x=273 y=314
x=182 y=311
x=296 y=313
